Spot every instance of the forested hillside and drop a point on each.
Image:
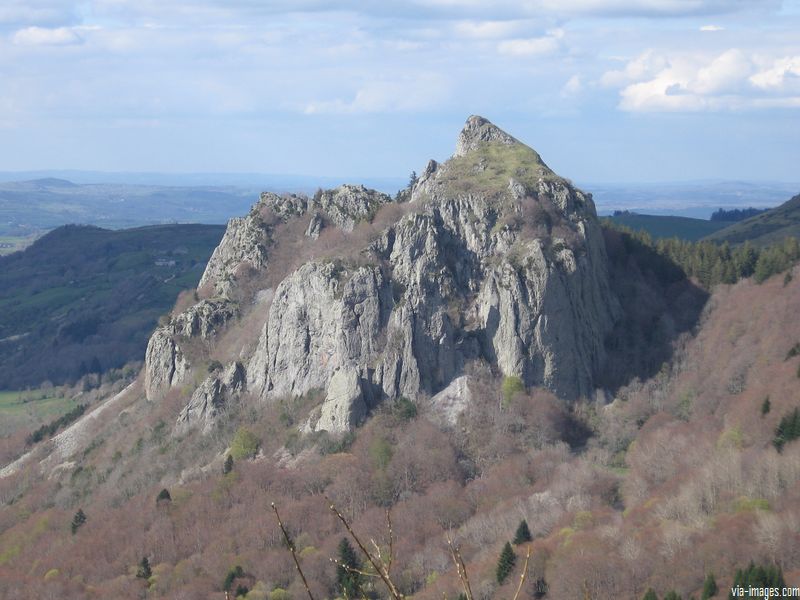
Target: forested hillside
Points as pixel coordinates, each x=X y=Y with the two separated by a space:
x=84 y=299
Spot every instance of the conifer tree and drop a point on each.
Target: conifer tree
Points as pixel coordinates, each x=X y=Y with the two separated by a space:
x=163 y=496
x=78 y=520
x=650 y=594
x=523 y=534
x=765 y=406
x=144 y=571
x=710 y=588
x=227 y=467
x=672 y=595
x=348 y=582
x=506 y=563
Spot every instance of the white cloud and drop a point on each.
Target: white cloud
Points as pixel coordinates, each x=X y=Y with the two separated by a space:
x=712 y=28
x=573 y=87
x=486 y=29
x=407 y=95
x=782 y=75
x=646 y=64
x=42 y=36
x=732 y=80
x=532 y=46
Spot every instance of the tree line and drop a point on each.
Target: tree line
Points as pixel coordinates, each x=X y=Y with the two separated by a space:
x=710 y=263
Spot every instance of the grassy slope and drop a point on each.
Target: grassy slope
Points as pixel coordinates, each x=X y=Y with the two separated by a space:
x=766 y=228
x=662 y=226
x=84 y=292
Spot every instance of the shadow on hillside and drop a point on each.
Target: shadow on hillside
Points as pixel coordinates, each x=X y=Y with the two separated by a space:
x=659 y=303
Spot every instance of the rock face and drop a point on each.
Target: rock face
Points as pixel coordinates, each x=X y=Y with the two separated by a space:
x=210 y=397
x=244 y=244
x=344 y=405
x=496 y=258
x=165 y=364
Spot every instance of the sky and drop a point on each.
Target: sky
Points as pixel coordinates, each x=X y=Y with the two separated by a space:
x=604 y=90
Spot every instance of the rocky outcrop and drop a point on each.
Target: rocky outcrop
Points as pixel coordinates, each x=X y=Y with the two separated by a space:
x=344 y=407
x=165 y=364
x=205 y=318
x=244 y=245
x=449 y=404
x=344 y=206
x=210 y=397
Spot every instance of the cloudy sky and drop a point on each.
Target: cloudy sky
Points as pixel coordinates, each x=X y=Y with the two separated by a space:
x=605 y=90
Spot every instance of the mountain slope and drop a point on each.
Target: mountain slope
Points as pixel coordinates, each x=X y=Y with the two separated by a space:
x=767 y=228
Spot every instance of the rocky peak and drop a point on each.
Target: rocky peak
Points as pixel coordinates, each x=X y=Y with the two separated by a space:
x=477 y=131
x=497 y=260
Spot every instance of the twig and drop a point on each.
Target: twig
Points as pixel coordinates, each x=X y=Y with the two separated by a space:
x=461 y=568
x=391 y=539
x=292 y=550
x=377 y=563
x=524 y=573
x=338 y=563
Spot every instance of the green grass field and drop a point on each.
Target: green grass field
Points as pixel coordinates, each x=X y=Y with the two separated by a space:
x=34 y=403
x=30 y=409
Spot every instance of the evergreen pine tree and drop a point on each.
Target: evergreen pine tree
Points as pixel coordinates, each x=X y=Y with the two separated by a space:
x=650 y=594
x=227 y=467
x=523 y=534
x=78 y=520
x=672 y=595
x=710 y=588
x=163 y=496
x=144 y=571
x=348 y=582
x=506 y=563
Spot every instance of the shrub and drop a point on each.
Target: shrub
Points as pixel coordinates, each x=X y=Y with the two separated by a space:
x=512 y=385
x=788 y=429
x=144 y=571
x=245 y=444
x=235 y=572
x=404 y=409
x=78 y=520
x=163 y=496
x=227 y=466
x=650 y=594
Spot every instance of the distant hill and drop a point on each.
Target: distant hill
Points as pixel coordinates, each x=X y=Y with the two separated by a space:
x=664 y=226
x=766 y=228
x=84 y=298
